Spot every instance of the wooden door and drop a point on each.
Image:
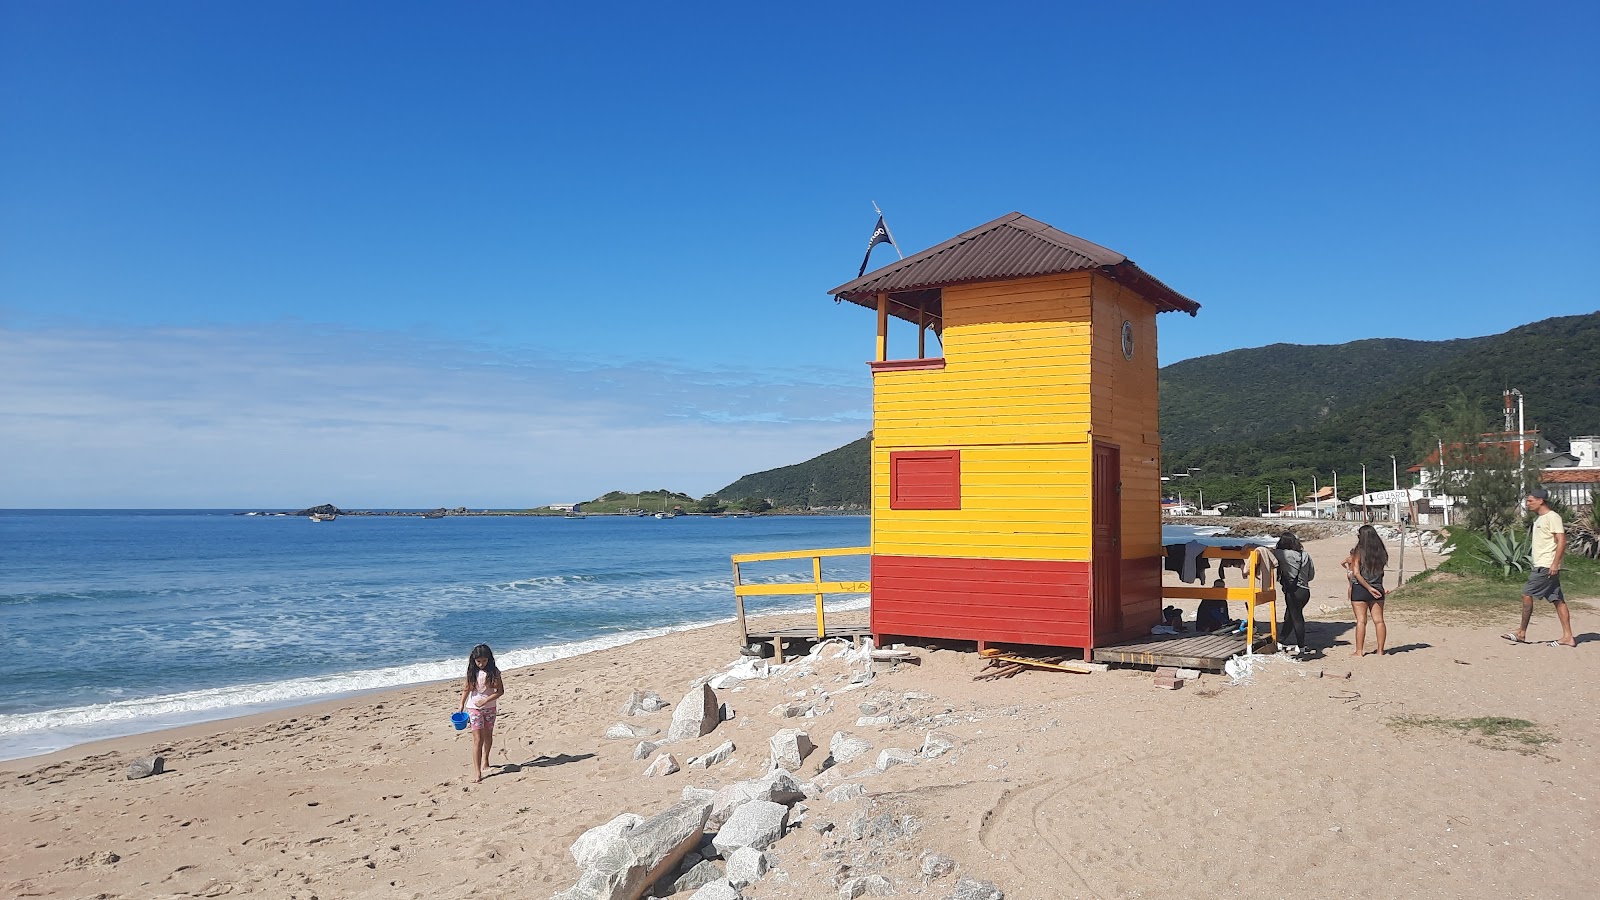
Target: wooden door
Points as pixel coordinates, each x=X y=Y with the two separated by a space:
x=1107 y=563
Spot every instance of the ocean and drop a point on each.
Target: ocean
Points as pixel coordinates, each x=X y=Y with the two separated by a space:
x=117 y=622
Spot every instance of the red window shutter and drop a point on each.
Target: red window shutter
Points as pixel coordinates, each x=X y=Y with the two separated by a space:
x=925 y=479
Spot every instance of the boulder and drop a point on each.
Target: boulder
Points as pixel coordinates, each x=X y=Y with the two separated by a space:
x=717 y=890
x=625 y=867
x=591 y=842
x=865 y=885
x=757 y=824
x=778 y=786
x=844 y=747
x=746 y=865
x=644 y=749
x=144 y=768
x=790 y=747
x=694 y=793
x=868 y=721
x=892 y=757
x=664 y=765
x=696 y=714
x=936 y=745
x=700 y=874
x=720 y=754
x=973 y=889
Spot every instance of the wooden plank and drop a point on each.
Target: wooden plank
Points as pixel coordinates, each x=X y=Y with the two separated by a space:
x=800 y=554
x=803 y=587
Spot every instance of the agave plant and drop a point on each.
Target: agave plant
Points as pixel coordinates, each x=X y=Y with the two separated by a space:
x=1510 y=550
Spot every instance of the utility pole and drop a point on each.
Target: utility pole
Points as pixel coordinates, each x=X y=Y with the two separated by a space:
x=1337 y=511
x=1366 y=498
x=1316 y=498
x=1295 y=493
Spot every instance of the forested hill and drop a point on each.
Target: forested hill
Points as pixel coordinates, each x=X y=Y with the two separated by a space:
x=839 y=477
x=1268 y=415
x=1248 y=395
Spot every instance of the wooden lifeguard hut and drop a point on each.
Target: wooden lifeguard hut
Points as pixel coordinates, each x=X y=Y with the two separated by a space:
x=1015 y=474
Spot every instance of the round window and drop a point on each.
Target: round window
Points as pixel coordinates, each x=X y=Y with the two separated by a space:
x=1127 y=340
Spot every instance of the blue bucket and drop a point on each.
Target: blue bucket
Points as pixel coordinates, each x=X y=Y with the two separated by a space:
x=460 y=720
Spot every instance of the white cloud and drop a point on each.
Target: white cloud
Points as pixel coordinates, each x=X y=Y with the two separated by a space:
x=289 y=414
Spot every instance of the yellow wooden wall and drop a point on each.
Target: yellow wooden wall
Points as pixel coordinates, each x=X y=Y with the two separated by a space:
x=1125 y=410
x=1014 y=398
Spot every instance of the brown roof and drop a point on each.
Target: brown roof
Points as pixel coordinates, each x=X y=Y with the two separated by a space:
x=1589 y=475
x=1012 y=246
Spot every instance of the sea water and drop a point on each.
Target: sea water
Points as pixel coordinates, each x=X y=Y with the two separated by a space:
x=121 y=622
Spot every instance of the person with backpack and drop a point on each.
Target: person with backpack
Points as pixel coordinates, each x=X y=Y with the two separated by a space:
x=1295 y=571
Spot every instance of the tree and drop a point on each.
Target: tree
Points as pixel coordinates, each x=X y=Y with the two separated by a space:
x=709 y=504
x=754 y=504
x=1481 y=473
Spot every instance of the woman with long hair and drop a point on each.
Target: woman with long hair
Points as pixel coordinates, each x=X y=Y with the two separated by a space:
x=1295 y=571
x=483 y=688
x=1366 y=563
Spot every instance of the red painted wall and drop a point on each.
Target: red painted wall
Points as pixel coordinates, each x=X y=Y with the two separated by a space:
x=992 y=600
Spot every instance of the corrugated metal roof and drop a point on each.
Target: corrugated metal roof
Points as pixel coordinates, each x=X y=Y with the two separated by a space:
x=1012 y=246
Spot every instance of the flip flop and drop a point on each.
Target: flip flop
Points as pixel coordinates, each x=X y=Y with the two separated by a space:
x=1513 y=638
x=1559 y=644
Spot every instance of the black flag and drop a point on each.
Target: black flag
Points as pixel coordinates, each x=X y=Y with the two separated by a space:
x=880 y=235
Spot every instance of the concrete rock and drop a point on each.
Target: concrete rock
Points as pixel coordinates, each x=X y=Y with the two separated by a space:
x=144 y=768
x=591 y=842
x=790 y=747
x=892 y=757
x=720 y=754
x=973 y=889
x=664 y=765
x=937 y=865
x=746 y=865
x=640 y=702
x=717 y=890
x=622 y=731
x=757 y=824
x=846 y=792
x=700 y=874
x=696 y=714
x=627 y=865
x=844 y=747
x=936 y=745
x=866 y=885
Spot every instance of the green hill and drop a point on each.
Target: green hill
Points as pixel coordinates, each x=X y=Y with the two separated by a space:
x=1248 y=395
x=838 y=478
x=1265 y=416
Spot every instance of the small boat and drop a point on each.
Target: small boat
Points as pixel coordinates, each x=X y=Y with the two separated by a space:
x=324 y=517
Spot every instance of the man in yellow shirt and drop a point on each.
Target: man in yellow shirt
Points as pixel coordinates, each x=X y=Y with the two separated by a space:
x=1549 y=545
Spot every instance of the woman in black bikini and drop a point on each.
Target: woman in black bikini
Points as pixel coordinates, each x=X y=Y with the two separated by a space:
x=1365 y=564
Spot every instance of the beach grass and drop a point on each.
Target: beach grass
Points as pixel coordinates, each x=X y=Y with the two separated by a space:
x=1493 y=732
x=1468 y=585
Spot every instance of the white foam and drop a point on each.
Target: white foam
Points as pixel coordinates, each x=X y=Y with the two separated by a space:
x=28 y=734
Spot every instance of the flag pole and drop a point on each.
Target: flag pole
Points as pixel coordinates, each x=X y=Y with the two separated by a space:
x=892 y=242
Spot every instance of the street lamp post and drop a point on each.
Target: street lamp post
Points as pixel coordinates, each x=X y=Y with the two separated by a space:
x=1394 y=479
x=1295 y=493
x=1316 y=498
x=1366 y=498
x=1336 y=509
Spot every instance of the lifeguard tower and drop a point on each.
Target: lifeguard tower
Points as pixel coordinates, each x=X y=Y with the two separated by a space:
x=1016 y=471
x=1015 y=474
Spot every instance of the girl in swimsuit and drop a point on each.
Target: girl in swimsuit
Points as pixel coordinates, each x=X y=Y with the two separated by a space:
x=484 y=686
x=1365 y=564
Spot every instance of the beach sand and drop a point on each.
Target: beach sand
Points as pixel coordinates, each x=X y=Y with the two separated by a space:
x=1293 y=783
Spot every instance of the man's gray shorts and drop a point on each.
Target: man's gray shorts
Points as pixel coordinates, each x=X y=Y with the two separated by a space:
x=1544 y=586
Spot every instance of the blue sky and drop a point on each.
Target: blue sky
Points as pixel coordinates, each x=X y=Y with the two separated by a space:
x=494 y=254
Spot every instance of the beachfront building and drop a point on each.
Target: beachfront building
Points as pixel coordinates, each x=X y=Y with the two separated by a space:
x=1573 y=477
x=1016 y=469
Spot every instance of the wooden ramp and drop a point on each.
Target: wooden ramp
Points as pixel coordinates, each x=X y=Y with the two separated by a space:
x=1192 y=651
x=801 y=636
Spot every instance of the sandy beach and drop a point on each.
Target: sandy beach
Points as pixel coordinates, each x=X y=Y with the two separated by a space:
x=1296 y=782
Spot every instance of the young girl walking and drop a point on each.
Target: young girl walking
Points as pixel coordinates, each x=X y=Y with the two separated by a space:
x=484 y=686
x=1365 y=564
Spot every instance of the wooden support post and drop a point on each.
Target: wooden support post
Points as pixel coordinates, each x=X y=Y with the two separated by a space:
x=738 y=605
x=816 y=573
x=883 y=326
x=922 y=334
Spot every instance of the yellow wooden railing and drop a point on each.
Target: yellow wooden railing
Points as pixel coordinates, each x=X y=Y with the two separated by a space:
x=1250 y=594
x=815 y=586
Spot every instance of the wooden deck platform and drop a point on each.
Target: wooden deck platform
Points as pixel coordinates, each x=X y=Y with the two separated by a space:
x=1193 y=651
x=805 y=635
